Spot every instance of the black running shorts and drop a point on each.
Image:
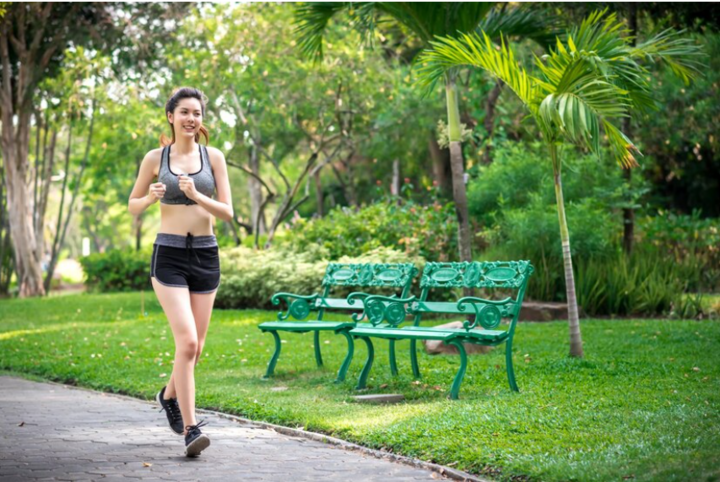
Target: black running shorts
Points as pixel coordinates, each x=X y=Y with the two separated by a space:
x=191 y=262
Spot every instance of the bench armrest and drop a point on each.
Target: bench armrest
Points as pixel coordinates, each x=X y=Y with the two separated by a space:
x=488 y=313
x=383 y=308
x=299 y=308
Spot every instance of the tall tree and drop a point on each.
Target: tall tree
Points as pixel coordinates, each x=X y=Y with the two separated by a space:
x=425 y=20
x=589 y=82
x=33 y=40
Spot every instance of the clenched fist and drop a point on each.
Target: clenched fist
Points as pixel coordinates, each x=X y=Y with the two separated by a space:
x=157 y=191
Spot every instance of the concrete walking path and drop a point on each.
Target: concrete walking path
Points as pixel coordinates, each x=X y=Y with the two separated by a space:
x=56 y=432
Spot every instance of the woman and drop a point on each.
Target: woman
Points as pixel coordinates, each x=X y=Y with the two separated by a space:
x=185 y=266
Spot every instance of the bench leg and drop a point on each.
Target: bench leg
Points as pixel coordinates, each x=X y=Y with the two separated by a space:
x=318 y=356
x=362 y=381
x=274 y=359
x=455 y=390
x=414 y=360
x=346 y=363
x=393 y=362
x=509 y=364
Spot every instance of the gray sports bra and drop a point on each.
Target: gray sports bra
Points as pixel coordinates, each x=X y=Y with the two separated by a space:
x=204 y=179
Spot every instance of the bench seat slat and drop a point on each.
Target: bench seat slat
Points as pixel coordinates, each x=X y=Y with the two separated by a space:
x=304 y=326
x=402 y=333
x=337 y=303
x=429 y=333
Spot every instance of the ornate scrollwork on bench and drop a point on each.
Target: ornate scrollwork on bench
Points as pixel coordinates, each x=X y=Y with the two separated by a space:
x=299 y=308
x=488 y=313
x=379 y=309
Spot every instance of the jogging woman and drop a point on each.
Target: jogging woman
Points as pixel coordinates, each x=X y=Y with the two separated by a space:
x=185 y=266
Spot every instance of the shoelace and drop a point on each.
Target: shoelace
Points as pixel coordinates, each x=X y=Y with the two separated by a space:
x=174 y=410
x=193 y=428
x=189 y=247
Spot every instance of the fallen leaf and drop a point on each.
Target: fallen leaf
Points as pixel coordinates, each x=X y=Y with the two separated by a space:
x=384 y=385
x=163 y=375
x=696 y=369
x=21 y=424
x=145 y=464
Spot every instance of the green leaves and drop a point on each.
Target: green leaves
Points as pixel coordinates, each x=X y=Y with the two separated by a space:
x=586 y=83
x=472 y=49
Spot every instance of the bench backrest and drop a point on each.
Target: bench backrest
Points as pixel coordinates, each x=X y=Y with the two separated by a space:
x=477 y=274
x=488 y=313
x=365 y=275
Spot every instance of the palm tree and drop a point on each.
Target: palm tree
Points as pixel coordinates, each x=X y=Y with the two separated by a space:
x=588 y=82
x=428 y=20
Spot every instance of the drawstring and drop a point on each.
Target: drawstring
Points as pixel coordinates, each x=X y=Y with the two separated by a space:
x=189 y=247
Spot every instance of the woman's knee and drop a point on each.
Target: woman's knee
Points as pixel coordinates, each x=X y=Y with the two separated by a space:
x=187 y=347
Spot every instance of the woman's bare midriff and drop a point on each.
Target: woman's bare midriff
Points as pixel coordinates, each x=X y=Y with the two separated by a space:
x=181 y=219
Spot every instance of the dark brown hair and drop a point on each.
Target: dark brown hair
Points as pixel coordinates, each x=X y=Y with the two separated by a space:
x=171 y=105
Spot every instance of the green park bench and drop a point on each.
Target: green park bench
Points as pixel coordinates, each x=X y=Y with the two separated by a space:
x=386 y=314
x=299 y=307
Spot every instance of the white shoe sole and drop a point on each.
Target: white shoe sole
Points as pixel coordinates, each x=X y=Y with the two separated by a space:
x=197 y=446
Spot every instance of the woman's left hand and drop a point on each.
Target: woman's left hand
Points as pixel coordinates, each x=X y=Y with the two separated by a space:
x=187 y=185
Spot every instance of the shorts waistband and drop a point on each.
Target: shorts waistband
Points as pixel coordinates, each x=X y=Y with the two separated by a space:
x=179 y=241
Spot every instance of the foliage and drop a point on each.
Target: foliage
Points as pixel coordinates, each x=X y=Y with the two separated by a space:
x=250 y=277
x=520 y=172
x=682 y=145
x=428 y=231
x=586 y=83
x=117 y=270
x=645 y=403
x=687 y=239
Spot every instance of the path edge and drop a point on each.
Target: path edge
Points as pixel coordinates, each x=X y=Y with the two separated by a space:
x=449 y=472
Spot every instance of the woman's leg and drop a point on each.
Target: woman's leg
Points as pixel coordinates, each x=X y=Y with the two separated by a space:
x=176 y=304
x=202 y=305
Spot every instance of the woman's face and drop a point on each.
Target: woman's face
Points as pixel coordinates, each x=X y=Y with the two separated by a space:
x=187 y=118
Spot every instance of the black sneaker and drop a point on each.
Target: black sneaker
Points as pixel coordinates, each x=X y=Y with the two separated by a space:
x=195 y=440
x=172 y=410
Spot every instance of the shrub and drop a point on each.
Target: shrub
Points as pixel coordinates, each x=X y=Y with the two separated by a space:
x=250 y=278
x=427 y=231
x=532 y=233
x=521 y=176
x=693 y=243
x=117 y=270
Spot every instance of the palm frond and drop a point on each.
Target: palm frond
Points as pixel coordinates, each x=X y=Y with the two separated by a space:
x=311 y=20
x=521 y=21
x=682 y=55
x=472 y=49
x=432 y=19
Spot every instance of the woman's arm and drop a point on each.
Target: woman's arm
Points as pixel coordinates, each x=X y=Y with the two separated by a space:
x=140 y=200
x=222 y=207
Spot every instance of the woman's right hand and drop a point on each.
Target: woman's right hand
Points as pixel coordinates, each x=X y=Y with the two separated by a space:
x=157 y=191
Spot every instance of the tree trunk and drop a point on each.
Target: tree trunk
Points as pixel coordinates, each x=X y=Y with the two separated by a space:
x=395 y=186
x=16 y=109
x=458 y=171
x=256 y=196
x=442 y=172
x=20 y=210
x=320 y=201
x=58 y=225
x=489 y=122
x=628 y=212
x=576 y=348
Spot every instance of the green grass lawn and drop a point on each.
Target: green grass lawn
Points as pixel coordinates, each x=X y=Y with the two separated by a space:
x=644 y=403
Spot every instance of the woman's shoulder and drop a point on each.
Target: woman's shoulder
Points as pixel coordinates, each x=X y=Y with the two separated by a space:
x=215 y=154
x=153 y=155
